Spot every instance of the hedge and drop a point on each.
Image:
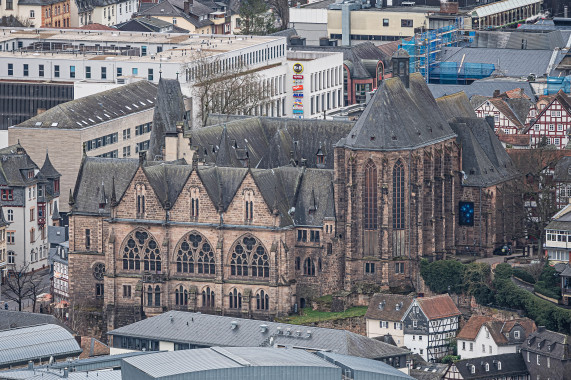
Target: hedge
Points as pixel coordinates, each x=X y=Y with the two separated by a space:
x=524 y=275
x=540 y=287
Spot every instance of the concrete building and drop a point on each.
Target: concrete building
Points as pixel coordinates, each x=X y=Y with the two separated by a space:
x=29 y=196
x=430 y=324
x=483 y=336
x=103 y=12
x=112 y=123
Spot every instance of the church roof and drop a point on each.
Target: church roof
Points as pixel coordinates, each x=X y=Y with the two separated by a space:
x=3 y=221
x=169 y=109
x=266 y=142
x=399 y=118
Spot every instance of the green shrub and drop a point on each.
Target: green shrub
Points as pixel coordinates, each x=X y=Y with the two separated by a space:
x=503 y=271
x=547 y=291
x=439 y=275
x=523 y=275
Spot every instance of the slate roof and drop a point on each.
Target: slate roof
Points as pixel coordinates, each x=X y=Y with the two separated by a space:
x=96 y=173
x=175 y=8
x=510 y=62
x=399 y=118
x=17 y=319
x=212 y=330
x=169 y=109
x=48 y=169
x=562 y=172
x=178 y=363
x=3 y=221
x=19 y=345
x=167 y=181
x=438 y=307
x=266 y=142
x=97 y=108
x=13 y=166
x=482 y=87
x=484 y=160
x=511 y=365
x=548 y=343
x=515 y=110
x=389 y=303
x=149 y=24
x=57 y=234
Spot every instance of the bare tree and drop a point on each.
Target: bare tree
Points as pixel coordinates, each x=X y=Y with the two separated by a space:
x=19 y=286
x=536 y=189
x=34 y=288
x=228 y=89
x=281 y=9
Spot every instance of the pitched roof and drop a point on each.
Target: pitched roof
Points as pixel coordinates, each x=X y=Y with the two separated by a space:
x=506 y=109
x=437 y=307
x=399 y=118
x=562 y=98
x=514 y=139
x=13 y=166
x=361 y=365
x=472 y=327
x=19 y=345
x=17 y=319
x=483 y=87
x=96 y=26
x=511 y=365
x=3 y=221
x=548 y=343
x=518 y=40
x=213 y=330
x=169 y=109
x=97 y=108
x=393 y=307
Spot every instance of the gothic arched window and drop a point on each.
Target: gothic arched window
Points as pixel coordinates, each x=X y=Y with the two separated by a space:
x=149 y=295
x=141 y=243
x=194 y=205
x=181 y=296
x=262 y=301
x=195 y=255
x=398 y=196
x=249 y=258
x=207 y=297
x=157 y=295
x=235 y=299
x=370 y=197
x=309 y=267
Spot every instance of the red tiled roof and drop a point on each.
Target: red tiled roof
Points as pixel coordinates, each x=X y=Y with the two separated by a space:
x=99 y=349
x=438 y=307
x=472 y=327
x=96 y=27
x=516 y=93
x=514 y=139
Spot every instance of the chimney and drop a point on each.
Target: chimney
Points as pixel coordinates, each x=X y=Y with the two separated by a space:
x=41 y=110
x=346 y=25
x=65 y=373
x=187 y=5
x=540 y=329
x=31 y=365
x=142 y=157
x=566 y=11
x=496 y=93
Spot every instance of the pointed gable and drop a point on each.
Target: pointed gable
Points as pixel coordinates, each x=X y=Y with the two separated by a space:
x=167 y=181
x=48 y=169
x=400 y=118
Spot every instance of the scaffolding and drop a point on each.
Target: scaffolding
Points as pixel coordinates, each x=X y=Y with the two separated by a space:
x=424 y=47
x=555 y=84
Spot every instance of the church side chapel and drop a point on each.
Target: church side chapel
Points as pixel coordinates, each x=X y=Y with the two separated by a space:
x=257 y=216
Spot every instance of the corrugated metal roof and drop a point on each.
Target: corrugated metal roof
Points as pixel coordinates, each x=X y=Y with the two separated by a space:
x=212 y=330
x=501 y=6
x=45 y=374
x=171 y=363
x=365 y=365
x=21 y=345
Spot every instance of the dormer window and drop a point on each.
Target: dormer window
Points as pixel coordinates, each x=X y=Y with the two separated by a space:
x=473 y=369
x=30 y=174
x=487 y=367
x=499 y=366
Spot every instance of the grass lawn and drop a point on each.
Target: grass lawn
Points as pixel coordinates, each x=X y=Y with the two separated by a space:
x=311 y=316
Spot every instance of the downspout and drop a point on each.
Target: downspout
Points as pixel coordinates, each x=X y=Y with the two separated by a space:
x=480 y=244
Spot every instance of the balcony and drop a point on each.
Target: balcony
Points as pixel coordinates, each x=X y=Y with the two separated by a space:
x=218 y=18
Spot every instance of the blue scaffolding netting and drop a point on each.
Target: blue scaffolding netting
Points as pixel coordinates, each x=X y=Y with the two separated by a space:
x=554 y=84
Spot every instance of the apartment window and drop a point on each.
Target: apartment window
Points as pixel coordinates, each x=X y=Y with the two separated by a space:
x=7 y=194
x=551 y=127
x=10 y=69
x=405 y=23
x=301 y=235
x=126 y=134
x=490 y=349
x=537 y=360
x=314 y=236
x=471 y=346
x=32 y=13
x=463 y=346
x=150 y=74
x=87 y=238
x=41 y=71
x=10 y=237
x=32 y=235
x=559 y=127
x=384 y=324
x=32 y=213
x=126 y=291
x=135 y=71
x=143 y=128
x=26 y=70
x=370 y=268
x=516 y=334
x=385 y=22
x=126 y=151
x=87 y=72
x=119 y=71
x=56 y=71
x=10 y=215
x=9 y=5
x=103 y=72
x=72 y=71
x=548 y=362
x=414 y=323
